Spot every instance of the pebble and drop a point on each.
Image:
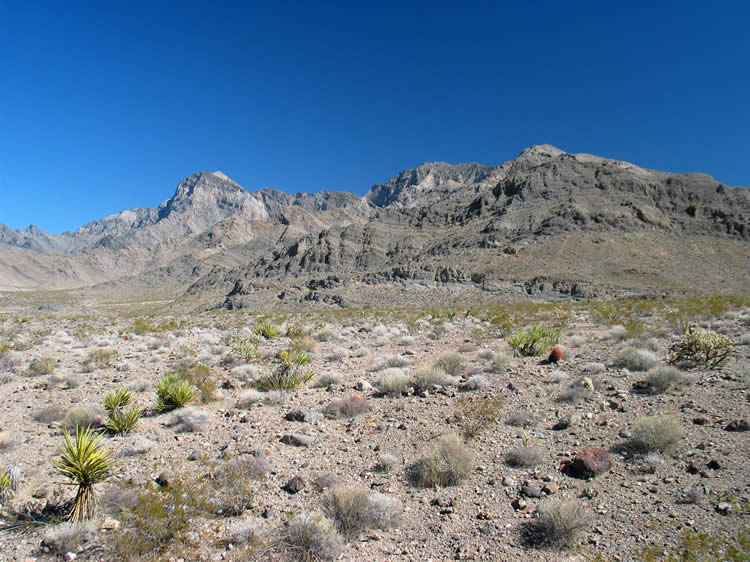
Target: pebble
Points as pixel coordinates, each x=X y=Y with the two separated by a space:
x=297 y=439
x=626 y=434
x=531 y=491
x=508 y=481
x=294 y=485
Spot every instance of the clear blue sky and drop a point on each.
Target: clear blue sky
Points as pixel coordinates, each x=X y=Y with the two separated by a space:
x=106 y=105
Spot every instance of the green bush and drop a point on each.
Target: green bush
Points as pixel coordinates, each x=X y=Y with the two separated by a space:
x=117 y=399
x=701 y=347
x=663 y=378
x=123 y=421
x=450 y=363
x=477 y=416
x=199 y=376
x=535 y=341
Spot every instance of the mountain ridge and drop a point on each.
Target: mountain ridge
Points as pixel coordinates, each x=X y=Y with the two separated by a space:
x=438 y=218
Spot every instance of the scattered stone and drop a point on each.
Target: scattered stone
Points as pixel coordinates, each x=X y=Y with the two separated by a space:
x=531 y=491
x=268 y=512
x=713 y=464
x=508 y=482
x=294 y=485
x=626 y=434
x=109 y=524
x=295 y=415
x=297 y=440
x=550 y=488
x=313 y=417
x=700 y=421
x=737 y=425
x=519 y=504
x=362 y=385
x=571 y=420
x=724 y=508
x=590 y=462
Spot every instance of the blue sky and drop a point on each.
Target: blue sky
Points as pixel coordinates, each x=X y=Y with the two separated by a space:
x=105 y=106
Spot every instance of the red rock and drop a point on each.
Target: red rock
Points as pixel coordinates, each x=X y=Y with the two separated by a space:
x=589 y=463
x=556 y=354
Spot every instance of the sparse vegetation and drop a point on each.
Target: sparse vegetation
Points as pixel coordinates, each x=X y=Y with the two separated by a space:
x=448 y=463
x=525 y=457
x=451 y=363
x=354 y=509
x=656 y=433
x=534 y=342
x=41 y=366
x=267 y=330
x=701 y=347
x=289 y=374
x=246 y=347
x=123 y=421
x=476 y=416
x=85 y=463
x=393 y=382
x=426 y=379
x=557 y=524
x=312 y=537
x=348 y=407
x=636 y=359
x=663 y=378
x=173 y=392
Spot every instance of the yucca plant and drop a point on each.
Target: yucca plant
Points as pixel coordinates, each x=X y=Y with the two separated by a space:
x=85 y=464
x=289 y=374
x=117 y=399
x=535 y=341
x=123 y=421
x=173 y=392
x=267 y=330
x=10 y=477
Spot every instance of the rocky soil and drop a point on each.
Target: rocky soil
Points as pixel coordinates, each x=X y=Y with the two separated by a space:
x=593 y=397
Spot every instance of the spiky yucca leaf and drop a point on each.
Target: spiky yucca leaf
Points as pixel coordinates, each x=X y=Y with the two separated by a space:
x=85 y=463
x=118 y=398
x=173 y=392
x=124 y=421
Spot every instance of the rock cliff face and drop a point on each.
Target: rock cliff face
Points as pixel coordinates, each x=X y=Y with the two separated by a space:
x=546 y=222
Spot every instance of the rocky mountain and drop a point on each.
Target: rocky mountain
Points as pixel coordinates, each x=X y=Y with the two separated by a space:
x=548 y=222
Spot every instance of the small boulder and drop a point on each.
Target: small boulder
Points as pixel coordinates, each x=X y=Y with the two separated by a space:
x=296 y=415
x=737 y=425
x=294 y=485
x=297 y=440
x=590 y=462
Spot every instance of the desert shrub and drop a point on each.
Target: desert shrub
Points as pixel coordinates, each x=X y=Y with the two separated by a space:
x=117 y=399
x=576 y=340
x=69 y=537
x=140 y=385
x=348 y=407
x=525 y=457
x=393 y=382
x=555 y=377
x=593 y=368
x=335 y=355
x=386 y=462
x=499 y=363
x=71 y=381
x=656 y=433
x=326 y=334
x=475 y=382
x=662 y=378
x=10 y=361
x=701 y=347
x=312 y=537
x=83 y=416
x=159 y=519
x=305 y=344
x=391 y=362
x=476 y=416
x=354 y=509
x=486 y=355
x=10 y=478
x=41 y=366
x=246 y=347
x=557 y=524
x=289 y=374
x=406 y=341
x=98 y=358
x=448 y=463
x=189 y=419
x=426 y=379
x=535 y=341
x=49 y=414
x=451 y=363
x=232 y=484
x=636 y=359
x=522 y=418
x=267 y=330
x=252 y=396
x=139 y=446
x=327 y=380
x=122 y=421
x=575 y=392
x=173 y=392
